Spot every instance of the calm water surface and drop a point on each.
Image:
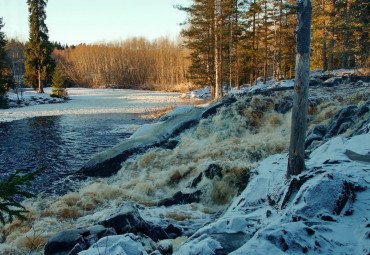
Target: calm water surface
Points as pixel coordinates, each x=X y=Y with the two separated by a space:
x=61 y=143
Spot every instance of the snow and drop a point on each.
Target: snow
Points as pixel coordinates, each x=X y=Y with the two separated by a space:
x=202 y=93
x=127 y=244
x=183 y=109
x=201 y=245
x=91 y=101
x=269 y=227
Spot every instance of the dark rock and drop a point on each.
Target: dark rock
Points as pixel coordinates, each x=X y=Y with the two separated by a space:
x=284 y=105
x=213 y=108
x=157 y=233
x=181 y=198
x=364 y=128
x=78 y=248
x=112 y=165
x=341 y=121
x=319 y=130
x=334 y=81
x=310 y=231
x=196 y=181
x=97 y=232
x=127 y=220
x=170 y=144
x=268 y=213
x=165 y=247
x=63 y=242
x=172 y=231
x=212 y=171
x=363 y=109
x=314 y=82
x=279 y=241
x=327 y=218
x=317 y=134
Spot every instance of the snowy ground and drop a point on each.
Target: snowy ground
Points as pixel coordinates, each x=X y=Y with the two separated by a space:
x=89 y=101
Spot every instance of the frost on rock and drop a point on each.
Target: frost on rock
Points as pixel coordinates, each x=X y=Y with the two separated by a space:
x=177 y=111
x=127 y=244
x=202 y=245
x=325 y=210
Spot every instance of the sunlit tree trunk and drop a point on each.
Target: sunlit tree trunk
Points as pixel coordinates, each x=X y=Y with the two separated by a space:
x=296 y=161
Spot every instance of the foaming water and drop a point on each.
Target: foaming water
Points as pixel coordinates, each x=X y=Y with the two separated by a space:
x=61 y=143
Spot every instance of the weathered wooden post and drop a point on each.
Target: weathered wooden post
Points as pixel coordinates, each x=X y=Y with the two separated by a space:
x=302 y=69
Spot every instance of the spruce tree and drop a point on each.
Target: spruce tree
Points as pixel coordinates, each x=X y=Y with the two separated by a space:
x=5 y=77
x=12 y=187
x=39 y=65
x=58 y=85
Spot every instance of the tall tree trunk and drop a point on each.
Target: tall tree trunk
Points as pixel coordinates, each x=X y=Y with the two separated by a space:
x=236 y=47
x=40 y=89
x=299 y=115
x=274 y=61
x=345 y=62
x=221 y=49
x=230 y=54
x=216 y=57
x=280 y=75
x=332 y=36
x=253 y=64
x=265 y=58
x=324 y=57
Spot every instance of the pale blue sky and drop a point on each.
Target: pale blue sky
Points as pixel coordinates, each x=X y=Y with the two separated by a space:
x=88 y=21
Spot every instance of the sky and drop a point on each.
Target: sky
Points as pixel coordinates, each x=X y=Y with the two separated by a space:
x=88 y=21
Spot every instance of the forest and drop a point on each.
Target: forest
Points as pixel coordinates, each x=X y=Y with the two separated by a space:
x=228 y=42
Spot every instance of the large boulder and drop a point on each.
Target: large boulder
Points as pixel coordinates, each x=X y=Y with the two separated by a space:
x=127 y=244
x=63 y=242
x=317 y=134
x=75 y=240
x=127 y=219
x=342 y=121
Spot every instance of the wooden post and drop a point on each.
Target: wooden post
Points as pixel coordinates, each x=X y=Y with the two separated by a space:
x=302 y=69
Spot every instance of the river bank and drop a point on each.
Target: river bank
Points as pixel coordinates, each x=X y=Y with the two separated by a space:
x=186 y=190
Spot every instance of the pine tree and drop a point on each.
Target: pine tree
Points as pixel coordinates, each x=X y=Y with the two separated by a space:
x=11 y=187
x=58 y=85
x=39 y=65
x=5 y=76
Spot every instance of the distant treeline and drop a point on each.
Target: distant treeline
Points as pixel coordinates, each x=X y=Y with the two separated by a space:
x=133 y=63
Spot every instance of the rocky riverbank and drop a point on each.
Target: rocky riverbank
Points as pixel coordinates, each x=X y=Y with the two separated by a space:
x=217 y=185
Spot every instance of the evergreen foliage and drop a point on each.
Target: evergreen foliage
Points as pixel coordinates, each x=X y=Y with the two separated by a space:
x=5 y=75
x=11 y=187
x=262 y=38
x=58 y=85
x=39 y=65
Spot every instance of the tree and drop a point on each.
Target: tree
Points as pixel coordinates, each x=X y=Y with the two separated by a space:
x=302 y=69
x=39 y=65
x=58 y=85
x=11 y=187
x=5 y=77
x=16 y=57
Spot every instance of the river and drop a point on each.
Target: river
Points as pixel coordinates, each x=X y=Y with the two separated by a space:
x=62 y=137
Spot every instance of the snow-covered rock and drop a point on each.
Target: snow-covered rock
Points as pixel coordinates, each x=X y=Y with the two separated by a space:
x=325 y=210
x=127 y=244
x=202 y=93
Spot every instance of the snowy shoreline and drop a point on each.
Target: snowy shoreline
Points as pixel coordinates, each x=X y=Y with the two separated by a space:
x=91 y=101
